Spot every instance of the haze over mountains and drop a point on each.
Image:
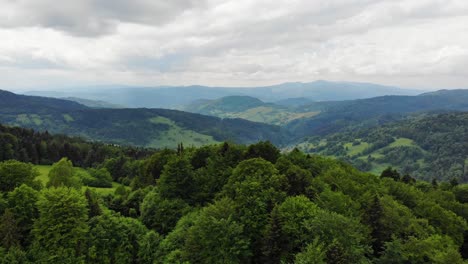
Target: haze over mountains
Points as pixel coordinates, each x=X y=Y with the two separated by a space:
x=178 y=96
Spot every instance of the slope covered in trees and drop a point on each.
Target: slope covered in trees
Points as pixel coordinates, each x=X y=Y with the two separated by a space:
x=230 y=203
x=156 y=128
x=425 y=146
x=339 y=115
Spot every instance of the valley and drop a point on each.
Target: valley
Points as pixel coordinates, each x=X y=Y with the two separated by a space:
x=372 y=133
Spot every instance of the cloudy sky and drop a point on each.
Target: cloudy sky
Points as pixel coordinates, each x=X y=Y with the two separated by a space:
x=410 y=43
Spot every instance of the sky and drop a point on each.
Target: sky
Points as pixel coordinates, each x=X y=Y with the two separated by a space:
x=407 y=43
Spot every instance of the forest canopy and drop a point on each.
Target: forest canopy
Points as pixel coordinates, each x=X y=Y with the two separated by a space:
x=223 y=203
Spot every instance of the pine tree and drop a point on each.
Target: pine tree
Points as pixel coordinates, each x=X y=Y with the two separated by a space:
x=9 y=231
x=374 y=214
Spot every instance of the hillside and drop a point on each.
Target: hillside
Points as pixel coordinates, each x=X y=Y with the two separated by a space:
x=335 y=116
x=13 y=103
x=248 y=108
x=92 y=103
x=177 y=96
x=156 y=128
x=424 y=146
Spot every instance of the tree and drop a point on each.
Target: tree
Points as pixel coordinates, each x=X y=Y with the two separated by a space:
x=314 y=253
x=98 y=178
x=299 y=179
x=373 y=218
x=61 y=174
x=389 y=172
x=302 y=221
x=114 y=239
x=154 y=166
x=176 y=181
x=433 y=249
x=216 y=237
x=14 y=173
x=161 y=214
x=93 y=203
x=62 y=224
x=9 y=231
x=8 y=145
x=148 y=247
x=22 y=202
x=256 y=186
x=263 y=149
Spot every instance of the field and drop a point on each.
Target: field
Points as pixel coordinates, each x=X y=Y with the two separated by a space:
x=177 y=134
x=266 y=114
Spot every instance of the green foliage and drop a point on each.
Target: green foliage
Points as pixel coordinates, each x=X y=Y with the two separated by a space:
x=248 y=108
x=62 y=174
x=425 y=146
x=154 y=166
x=216 y=237
x=98 y=178
x=302 y=221
x=256 y=186
x=313 y=253
x=161 y=214
x=148 y=247
x=62 y=224
x=22 y=202
x=14 y=173
x=434 y=249
x=9 y=230
x=217 y=205
x=263 y=149
x=157 y=128
x=391 y=173
x=176 y=180
x=115 y=239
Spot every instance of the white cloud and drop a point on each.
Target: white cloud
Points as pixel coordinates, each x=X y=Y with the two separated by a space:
x=237 y=42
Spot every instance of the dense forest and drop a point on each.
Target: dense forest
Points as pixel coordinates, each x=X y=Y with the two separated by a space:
x=427 y=146
x=222 y=203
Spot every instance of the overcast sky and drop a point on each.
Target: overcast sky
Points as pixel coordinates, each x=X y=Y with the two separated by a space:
x=409 y=43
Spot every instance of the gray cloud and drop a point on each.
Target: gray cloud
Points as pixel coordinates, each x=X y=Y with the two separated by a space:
x=235 y=42
x=92 y=17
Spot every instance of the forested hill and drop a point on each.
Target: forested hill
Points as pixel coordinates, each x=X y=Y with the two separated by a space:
x=13 y=103
x=425 y=146
x=223 y=203
x=27 y=145
x=156 y=128
x=335 y=116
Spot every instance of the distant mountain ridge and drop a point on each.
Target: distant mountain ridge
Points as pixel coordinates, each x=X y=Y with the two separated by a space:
x=177 y=96
x=92 y=103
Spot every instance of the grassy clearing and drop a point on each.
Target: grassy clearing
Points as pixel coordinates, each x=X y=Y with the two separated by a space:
x=176 y=134
x=68 y=118
x=402 y=142
x=44 y=178
x=267 y=114
x=377 y=168
x=357 y=149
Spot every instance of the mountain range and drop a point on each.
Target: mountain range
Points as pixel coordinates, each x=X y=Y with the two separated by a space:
x=175 y=97
x=366 y=132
